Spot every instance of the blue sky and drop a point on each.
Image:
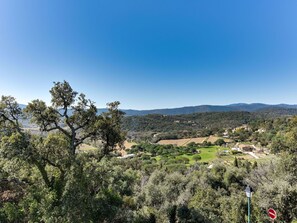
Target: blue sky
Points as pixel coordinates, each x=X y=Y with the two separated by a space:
x=151 y=54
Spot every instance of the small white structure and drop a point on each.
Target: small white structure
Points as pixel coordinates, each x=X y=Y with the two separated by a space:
x=127 y=156
x=236 y=149
x=210 y=166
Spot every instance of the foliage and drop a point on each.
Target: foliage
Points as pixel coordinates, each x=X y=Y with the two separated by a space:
x=55 y=169
x=46 y=178
x=192 y=121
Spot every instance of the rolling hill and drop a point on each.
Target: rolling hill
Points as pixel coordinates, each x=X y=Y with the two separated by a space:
x=254 y=107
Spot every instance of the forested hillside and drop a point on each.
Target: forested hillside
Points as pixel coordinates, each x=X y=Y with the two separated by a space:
x=197 y=121
x=47 y=178
x=199 y=124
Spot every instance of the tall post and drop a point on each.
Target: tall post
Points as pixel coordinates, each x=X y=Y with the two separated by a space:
x=248 y=191
x=249 y=210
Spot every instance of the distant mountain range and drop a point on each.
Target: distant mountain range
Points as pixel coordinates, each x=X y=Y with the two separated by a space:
x=254 y=107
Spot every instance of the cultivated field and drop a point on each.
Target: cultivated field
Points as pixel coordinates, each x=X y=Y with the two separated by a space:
x=184 y=142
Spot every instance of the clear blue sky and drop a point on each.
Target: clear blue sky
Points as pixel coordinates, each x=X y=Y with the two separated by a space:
x=151 y=54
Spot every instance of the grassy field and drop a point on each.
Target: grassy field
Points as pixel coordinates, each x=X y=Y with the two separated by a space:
x=207 y=154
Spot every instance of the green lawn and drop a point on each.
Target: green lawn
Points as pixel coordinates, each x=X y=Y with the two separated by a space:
x=207 y=154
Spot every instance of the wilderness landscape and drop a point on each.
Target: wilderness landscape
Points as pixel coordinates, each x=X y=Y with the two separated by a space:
x=148 y=111
x=82 y=166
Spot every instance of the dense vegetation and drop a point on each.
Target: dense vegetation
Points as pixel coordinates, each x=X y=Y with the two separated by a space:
x=182 y=126
x=196 y=121
x=44 y=177
x=197 y=124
